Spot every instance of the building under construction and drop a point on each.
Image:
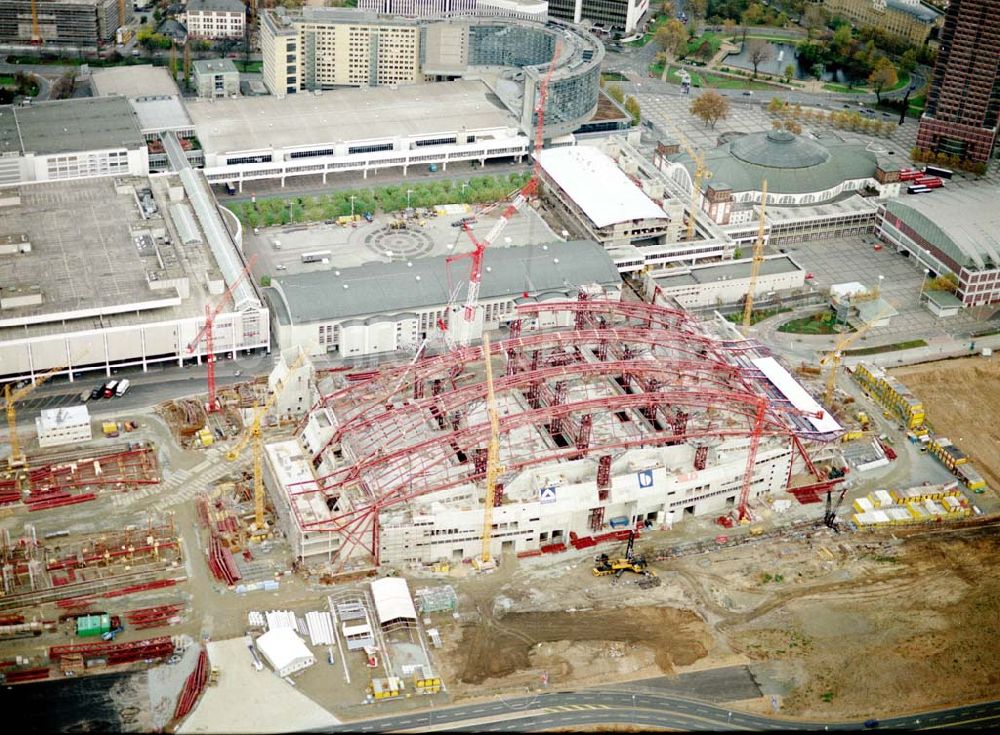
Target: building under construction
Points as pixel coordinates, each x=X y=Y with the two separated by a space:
x=63 y=22
x=631 y=416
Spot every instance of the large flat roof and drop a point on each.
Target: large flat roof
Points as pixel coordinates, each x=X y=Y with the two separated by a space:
x=728 y=271
x=83 y=124
x=797 y=395
x=10 y=138
x=594 y=182
x=86 y=259
x=964 y=223
x=141 y=80
x=161 y=113
x=254 y=123
x=379 y=288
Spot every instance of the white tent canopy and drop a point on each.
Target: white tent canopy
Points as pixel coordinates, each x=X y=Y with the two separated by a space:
x=392 y=600
x=285 y=651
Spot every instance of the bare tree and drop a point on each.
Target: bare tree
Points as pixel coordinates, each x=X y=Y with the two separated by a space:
x=758 y=51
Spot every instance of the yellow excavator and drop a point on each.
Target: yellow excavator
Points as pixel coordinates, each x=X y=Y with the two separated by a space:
x=604 y=565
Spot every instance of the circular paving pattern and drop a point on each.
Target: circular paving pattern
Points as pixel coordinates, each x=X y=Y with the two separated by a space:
x=398 y=244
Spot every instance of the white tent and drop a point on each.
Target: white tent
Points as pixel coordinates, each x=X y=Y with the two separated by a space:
x=285 y=651
x=393 y=603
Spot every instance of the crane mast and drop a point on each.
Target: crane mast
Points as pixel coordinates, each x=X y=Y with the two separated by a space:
x=11 y=397
x=493 y=468
x=836 y=355
x=255 y=436
x=701 y=173
x=758 y=258
x=516 y=204
x=206 y=332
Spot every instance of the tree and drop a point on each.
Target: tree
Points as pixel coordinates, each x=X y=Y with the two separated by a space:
x=812 y=18
x=63 y=87
x=753 y=15
x=908 y=61
x=775 y=105
x=793 y=127
x=841 y=39
x=615 y=92
x=710 y=107
x=697 y=8
x=632 y=108
x=883 y=76
x=729 y=28
x=789 y=72
x=758 y=51
x=672 y=37
x=668 y=8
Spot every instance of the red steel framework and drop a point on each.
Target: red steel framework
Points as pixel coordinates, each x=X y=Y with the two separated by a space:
x=669 y=369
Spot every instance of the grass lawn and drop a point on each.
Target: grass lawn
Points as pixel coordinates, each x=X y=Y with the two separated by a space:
x=9 y=81
x=706 y=79
x=908 y=345
x=755 y=315
x=819 y=323
x=903 y=81
x=654 y=26
x=249 y=67
x=613 y=76
x=713 y=39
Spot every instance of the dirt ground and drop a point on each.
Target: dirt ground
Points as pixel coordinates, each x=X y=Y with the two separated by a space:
x=962 y=401
x=839 y=626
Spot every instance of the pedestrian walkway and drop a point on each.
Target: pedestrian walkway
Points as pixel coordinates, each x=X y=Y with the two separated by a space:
x=181 y=486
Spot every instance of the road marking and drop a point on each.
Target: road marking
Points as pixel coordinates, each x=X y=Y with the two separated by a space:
x=962 y=722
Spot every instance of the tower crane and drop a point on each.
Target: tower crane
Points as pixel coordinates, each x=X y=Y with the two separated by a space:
x=515 y=205
x=36 y=29
x=11 y=397
x=701 y=173
x=834 y=357
x=259 y=527
x=758 y=258
x=493 y=468
x=206 y=332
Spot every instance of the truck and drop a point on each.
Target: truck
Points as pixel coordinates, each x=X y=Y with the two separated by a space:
x=122 y=388
x=348 y=219
x=110 y=429
x=110 y=387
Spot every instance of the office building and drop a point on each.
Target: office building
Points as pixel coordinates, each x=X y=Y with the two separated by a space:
x=216 y=78
x=215 y=18
x=84 y=23
x=964 y=98
x=910 y=19
x=609 y=15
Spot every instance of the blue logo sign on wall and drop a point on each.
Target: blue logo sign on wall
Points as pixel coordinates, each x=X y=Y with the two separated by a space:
x=645 y=478
x=547 y=495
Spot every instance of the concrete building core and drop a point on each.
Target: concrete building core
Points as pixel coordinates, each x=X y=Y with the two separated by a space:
x=632 y=416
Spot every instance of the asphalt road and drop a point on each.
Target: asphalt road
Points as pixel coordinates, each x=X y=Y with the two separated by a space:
x=590 y=707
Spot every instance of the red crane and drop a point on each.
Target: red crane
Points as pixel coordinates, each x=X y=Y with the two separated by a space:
x=516 y=203
x=206 y=331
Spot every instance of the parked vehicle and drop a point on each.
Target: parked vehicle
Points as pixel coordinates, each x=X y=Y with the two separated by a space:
x=110 y=387
x=122 y=388
x=86 y=395
x=944 y=173
x=97 y=392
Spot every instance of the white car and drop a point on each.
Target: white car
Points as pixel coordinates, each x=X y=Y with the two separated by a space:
x=281 y=267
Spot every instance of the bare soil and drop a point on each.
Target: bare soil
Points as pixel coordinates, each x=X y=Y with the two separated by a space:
x=497 y=647
x=962 y=402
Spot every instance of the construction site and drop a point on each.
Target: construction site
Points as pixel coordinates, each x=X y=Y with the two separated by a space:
x=554 y=476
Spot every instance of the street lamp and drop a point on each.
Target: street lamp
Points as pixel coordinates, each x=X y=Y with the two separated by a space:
x=878 y=291
x=352 y=207
x=408 y=192
x=923 y=284
x=464 y=187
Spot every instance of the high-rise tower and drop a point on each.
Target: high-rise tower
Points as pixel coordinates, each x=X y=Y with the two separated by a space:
x=964 y=97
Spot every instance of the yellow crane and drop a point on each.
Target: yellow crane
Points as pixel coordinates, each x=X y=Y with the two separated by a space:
x=254 y=435
x=11 y=397
x=834 y=357
x=758 y=257
x=36 y=29
x=493 y=468
x=701 y=173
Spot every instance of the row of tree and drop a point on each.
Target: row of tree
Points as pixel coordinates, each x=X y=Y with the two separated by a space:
x=921 y=155
x=840 y=119
x=630 y=103
x=280 y=211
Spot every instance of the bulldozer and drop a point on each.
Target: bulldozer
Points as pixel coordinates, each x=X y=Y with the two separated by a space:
x=604 y=565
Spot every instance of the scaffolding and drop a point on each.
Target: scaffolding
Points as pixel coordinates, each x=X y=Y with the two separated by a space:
x=436 y=599
x=622 y=375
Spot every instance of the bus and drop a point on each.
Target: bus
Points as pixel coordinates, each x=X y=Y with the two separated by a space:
x=931 y=182
x=917 y=189
x=316 y=256
x=937 y=171
x=122 y=388
x=909 y=174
